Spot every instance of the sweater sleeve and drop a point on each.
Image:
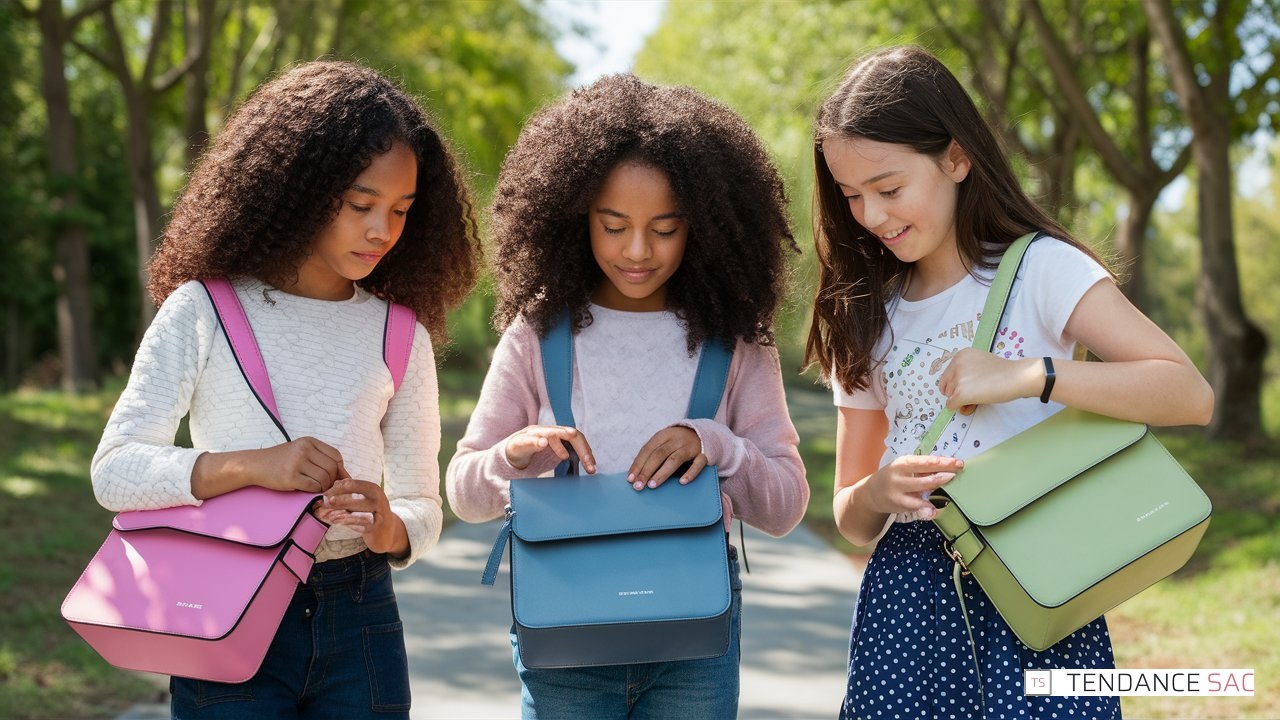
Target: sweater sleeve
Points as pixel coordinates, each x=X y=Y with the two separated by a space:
x=754 y=444
x=411 y=465
x=137 y=466
x=479 y=477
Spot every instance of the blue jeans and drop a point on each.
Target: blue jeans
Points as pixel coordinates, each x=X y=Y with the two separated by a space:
x=687 y=689
x=339 y=654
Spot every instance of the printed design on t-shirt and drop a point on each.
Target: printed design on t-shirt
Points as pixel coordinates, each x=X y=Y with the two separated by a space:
x=910 y=374
x=1008 y=344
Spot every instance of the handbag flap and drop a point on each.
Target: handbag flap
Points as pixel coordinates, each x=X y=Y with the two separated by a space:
x=1009 y=476
x=1107 y=518
x=626 y=578
x=148 y=581
x=574 y=506
x=252 y=516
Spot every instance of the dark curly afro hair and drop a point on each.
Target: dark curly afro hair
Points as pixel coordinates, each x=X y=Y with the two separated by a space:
x=274 y=177
x=733 y=273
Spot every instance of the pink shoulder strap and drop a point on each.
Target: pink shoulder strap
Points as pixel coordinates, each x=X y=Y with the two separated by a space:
x=397 y=340
x=235 y=325
x=397 y=343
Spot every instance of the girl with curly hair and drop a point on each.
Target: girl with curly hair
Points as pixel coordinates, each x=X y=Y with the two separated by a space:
x=654 y=217
x=915 y=204
x=327 y=196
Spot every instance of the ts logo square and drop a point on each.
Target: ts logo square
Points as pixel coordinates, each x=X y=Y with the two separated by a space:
x=1036 y=682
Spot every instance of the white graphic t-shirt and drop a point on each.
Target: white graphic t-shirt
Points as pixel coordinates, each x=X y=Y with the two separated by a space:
x=926 y=334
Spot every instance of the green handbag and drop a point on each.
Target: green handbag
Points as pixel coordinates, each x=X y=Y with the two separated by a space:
x=1069 y=518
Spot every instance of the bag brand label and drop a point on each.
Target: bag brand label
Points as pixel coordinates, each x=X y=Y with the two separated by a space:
x=1153 y=511
x=626 y=593
x=193 y=606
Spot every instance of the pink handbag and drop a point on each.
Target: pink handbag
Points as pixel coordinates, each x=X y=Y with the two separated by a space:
x=199 y=592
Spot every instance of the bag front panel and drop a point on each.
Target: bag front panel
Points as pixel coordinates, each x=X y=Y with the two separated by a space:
x=1040 y=627
x=170 y=582
x=637 y=577
x=233 y=657
x=1098 y=523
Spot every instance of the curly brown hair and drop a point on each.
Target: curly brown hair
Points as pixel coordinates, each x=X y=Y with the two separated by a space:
x=733 y=273
x=274 y=177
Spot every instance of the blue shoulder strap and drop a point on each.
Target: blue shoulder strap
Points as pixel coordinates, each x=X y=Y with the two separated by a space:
x=557 y=369
x=710 y=379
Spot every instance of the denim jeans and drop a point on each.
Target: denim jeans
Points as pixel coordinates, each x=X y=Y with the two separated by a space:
x=339 y=654
x=686 y=689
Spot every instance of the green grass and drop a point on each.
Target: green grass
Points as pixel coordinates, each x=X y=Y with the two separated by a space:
x=1218 y=612
x=52 y=527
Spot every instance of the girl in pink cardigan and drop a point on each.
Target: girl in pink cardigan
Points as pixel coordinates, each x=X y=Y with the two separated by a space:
x=654 y=215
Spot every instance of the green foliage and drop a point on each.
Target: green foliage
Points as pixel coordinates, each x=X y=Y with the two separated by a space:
x=471 y=336
x=25 y=259
x=480 y=67
x=1239 y=42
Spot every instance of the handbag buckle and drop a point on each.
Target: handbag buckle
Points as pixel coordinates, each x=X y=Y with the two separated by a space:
x=951 y=552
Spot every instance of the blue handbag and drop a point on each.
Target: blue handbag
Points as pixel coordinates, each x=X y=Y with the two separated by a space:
x=604 y=575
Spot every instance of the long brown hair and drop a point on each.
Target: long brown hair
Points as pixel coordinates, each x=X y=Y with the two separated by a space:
x=905 y=96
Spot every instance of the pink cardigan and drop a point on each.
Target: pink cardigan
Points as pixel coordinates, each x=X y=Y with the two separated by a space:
x=751 y=439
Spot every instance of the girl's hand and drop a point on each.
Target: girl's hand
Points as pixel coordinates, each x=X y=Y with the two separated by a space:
x=524 y=445
x=665 y=452
x=903 y=486
x=974 y=377
x=363 y=506
x=305 y=464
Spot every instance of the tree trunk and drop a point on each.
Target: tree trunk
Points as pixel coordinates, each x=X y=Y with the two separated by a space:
x=16 y=344
x=74 y=306
x=146 y=197
x=199 y=31
x=1237 y=347
x=1131 y=240
x=1057 y=167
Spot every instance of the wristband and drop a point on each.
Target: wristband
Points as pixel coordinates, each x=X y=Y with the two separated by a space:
x=1049 y=377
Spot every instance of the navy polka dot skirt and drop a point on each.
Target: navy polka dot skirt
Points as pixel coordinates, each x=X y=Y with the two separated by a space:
x=909 y=655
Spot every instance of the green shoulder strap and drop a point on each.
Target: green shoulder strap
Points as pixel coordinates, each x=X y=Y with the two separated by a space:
x=992 y=311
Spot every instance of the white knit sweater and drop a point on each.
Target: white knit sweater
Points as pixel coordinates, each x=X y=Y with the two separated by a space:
x=330 y=382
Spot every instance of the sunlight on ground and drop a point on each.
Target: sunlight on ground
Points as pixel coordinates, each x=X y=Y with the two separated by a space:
x=21 y=487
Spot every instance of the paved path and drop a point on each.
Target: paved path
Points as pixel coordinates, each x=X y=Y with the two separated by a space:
x=797 y=602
